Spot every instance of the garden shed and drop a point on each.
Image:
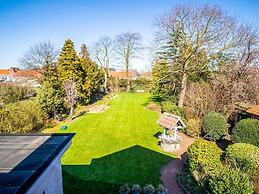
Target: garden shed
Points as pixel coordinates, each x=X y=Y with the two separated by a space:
x=244 y=111
x=253 y=112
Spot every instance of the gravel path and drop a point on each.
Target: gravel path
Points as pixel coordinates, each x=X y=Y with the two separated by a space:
x=169 y=172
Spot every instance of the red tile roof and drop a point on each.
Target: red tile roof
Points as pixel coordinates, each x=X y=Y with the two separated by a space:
x=168 y=120
x=20 y=73
x=253 y=110
x=122 y=74
x=27 y=73
x=4 y=72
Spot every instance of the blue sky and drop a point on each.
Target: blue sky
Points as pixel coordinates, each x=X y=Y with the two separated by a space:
x=26 y=22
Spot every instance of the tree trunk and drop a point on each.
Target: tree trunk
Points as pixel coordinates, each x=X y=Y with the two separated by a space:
x=71 y=113
x=128 y=82
x=105 y=80
x=127 y=74
x=183 y=91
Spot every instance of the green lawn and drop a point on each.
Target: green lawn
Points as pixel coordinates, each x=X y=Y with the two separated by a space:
x=115 y=147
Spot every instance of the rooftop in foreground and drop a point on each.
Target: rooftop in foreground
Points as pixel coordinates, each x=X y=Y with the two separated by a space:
x=24 y=158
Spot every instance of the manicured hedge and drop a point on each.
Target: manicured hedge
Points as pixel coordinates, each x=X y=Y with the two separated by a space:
x=214 y=126
x=244 y=156
x=204 y=157
x=230 y=181
x=246 y=131
x=21 y=117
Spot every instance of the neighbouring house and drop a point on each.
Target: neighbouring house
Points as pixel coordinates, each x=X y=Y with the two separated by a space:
x=30 y=163
x=146 y=75
x=20 y=77
x=117 y=74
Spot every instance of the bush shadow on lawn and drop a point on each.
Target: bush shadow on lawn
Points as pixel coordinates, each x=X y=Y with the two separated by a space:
x=134 y=165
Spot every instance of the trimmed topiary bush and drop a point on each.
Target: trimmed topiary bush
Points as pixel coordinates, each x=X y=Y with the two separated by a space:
x=214 y=125
x=230 y=181
x=244 y=156
x=204 y=157
x=246 y=131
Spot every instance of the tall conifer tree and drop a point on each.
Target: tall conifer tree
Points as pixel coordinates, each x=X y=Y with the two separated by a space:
x=69 y=68
x=70 y=74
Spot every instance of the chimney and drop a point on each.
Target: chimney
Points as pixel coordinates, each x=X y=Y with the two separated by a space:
x=14 y=69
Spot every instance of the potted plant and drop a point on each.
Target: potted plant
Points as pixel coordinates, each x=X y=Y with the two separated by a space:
x=149 y=189
x=124 y=189
x=161 y=189
x=136 y=189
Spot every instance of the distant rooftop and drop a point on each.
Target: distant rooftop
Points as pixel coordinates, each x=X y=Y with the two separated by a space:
x=16 y=72
x=25 y=157
x=123 y=74
x=253 y=110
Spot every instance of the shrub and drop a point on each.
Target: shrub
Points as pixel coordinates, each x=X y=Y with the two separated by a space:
x=50 y=100
x=12 y=93
x=214 y=125
x=21 y=117
x=243 y=156
x=204 y=157
x=230 y=181
x=193 y=127
x=246 y=131
x=154 y=107
x=168 y=106
x=136 y=189
x=188 y=181
x=125 y=189
x=149 y=189
x=161 y=189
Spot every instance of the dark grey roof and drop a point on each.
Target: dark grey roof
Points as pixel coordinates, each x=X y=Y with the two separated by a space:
x=24 y=157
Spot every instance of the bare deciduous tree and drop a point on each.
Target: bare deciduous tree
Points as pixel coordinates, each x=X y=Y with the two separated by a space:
x=39 y=56
x=194 y=39
x=102 y=52
x=71 y=96
x=128 y=46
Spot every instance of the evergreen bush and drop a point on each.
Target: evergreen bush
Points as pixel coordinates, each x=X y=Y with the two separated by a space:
x=214 y=126
x=246 y=131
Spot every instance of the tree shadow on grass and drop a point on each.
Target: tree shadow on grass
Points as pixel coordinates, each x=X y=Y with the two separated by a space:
x=155 y=99
x=134 y=165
